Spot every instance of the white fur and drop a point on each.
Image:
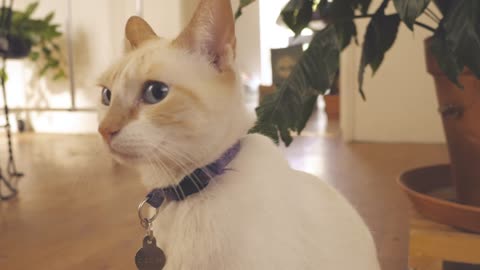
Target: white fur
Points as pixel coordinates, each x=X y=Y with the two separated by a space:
x=261 y=214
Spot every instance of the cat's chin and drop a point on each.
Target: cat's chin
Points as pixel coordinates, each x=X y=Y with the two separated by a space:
x=128 y=159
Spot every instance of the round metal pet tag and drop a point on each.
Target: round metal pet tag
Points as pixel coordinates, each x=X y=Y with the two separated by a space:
x=150 y=257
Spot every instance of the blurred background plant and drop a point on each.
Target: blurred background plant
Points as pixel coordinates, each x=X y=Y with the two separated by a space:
x=21 y=36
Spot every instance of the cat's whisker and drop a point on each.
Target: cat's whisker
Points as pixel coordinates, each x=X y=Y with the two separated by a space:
x=197 y=164
x=199 y=167
x=157 y=164
x=169 y=174
x=182 y=165
x=190 y=160
x=176 y=159
x=182 y=161
x=176 y=162
x=190 y=176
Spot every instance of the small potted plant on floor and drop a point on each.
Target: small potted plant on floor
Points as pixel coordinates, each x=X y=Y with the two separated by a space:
x=453 y=58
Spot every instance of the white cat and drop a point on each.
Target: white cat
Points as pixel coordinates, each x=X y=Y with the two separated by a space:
x=170 y=107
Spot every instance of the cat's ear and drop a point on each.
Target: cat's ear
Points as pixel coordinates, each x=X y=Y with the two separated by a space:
x=138 y=31
x=211 y=32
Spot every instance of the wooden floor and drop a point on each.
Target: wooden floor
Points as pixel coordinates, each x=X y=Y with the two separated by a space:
x=77 y=210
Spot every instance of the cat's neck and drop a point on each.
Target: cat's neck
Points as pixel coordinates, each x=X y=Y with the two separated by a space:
x=168 y=176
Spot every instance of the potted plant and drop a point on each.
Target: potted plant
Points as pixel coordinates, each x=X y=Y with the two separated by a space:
x=22 y=36
x=332 y=99
x=453 y=58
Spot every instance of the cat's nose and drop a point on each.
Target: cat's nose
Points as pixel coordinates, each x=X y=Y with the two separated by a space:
x=108 y=133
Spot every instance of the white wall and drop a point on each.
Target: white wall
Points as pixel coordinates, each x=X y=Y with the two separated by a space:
x=249 y=44
x=401 y=104
x=187 y=9
x=272 y=35
x=165 y=16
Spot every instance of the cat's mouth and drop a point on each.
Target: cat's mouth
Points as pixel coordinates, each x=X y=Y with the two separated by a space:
x=124 y=156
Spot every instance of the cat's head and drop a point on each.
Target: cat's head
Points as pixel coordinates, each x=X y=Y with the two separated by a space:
x=170 y=106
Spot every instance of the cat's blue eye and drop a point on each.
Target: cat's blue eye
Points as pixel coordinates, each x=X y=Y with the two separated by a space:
x=154 y=92
x=106 y=96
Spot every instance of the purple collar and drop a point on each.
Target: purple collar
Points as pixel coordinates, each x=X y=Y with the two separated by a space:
x=194 y=182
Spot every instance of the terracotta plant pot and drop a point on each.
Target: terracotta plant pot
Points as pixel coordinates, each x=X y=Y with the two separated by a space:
x=431 y=192
x=460 y=109
x=265 y=90
x=332 y=106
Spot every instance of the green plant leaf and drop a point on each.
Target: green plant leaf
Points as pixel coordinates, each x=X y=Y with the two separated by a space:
x=297 y=14
x=43 y=70
x=30 y=9
x=3 y=75
x=462 y=26
x=445 y=56
x=410 y=10
x=46 y=51
x=346 y=31
x=289 y=108
x=379 y=38
x=49 y=17
x=341 y=9
x=53 y=63
x=41 y=34
x=363 y=5
x=34 y=55
x=243 y=4
x=335 y=12
x=56 y=47
x=59 y=75
x=443 y=5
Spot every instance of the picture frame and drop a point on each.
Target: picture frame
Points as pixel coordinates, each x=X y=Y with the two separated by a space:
x=283 y=61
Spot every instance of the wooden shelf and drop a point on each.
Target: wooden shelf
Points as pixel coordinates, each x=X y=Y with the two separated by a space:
x=432 y=243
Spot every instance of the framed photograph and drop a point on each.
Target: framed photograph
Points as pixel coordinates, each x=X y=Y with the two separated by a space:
x=283 y=61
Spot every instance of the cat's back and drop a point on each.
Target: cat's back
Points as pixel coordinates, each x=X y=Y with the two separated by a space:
x=300 y=211
x=262 y=215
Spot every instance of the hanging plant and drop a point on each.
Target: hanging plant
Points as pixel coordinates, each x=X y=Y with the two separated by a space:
x=36 y=39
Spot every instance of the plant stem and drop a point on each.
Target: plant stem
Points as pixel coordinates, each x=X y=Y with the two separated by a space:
x=432 y=17
x=425 y=26
x=433 y=14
